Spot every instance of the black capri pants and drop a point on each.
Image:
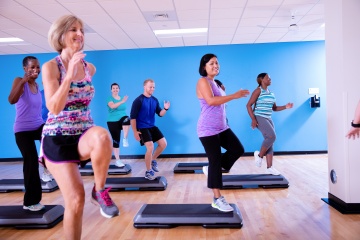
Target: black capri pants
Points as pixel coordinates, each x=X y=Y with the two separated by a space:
x=217 y=160
x=115 y=129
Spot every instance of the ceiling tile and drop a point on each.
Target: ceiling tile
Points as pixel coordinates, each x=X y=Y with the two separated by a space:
x=127 y=24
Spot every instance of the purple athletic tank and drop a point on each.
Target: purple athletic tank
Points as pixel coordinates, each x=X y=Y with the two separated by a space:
x=212 y=119
x=28 y=111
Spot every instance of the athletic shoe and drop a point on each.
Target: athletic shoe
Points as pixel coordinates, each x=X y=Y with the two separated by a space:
x=154 y=166
x=150 y=174
x=271 y=170
x=46 y=176
x=205 y=170
x=222 y=205
x=102 y=198
x=35 y=207
x=258 y=160
x=125 y=142
x=119 y=163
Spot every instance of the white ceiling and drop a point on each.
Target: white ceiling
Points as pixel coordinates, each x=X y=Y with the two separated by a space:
x=129 y=24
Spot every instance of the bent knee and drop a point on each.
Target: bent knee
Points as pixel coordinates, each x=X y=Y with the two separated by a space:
x=76 y=202
x=162 y=143
x=101 y=137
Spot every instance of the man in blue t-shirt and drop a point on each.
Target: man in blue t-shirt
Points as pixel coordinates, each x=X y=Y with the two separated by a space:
x=142 y=122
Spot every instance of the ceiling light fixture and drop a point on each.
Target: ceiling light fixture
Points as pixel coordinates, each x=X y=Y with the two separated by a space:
x=181 y=32
x=10 y=40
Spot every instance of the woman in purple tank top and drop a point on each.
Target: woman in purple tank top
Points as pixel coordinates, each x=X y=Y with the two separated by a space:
x=213 y=130
x=28 y=125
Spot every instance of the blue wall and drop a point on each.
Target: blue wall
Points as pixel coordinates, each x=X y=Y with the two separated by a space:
x=293 y=67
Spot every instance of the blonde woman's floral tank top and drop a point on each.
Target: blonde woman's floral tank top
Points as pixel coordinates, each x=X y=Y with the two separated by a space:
x=75 y=118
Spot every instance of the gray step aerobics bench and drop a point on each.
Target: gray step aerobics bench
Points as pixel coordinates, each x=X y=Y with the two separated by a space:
x=192 y=167
x=16 y=216
x=173 y=215
x=113 y=170
x=254 y=181
x=9 y=185
x=136 y=183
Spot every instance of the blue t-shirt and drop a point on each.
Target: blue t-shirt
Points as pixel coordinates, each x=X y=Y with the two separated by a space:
x=143 y=110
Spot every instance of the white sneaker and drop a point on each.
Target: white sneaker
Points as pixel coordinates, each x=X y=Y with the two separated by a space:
x=205 y=170
x=35 y=207
x=46 y=176
x=125 y=142
x=119 y=163
x=258 y=160
x=222 y=205
x=271 y=170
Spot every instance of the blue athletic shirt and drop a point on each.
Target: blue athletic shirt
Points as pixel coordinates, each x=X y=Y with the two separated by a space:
x=143 y=110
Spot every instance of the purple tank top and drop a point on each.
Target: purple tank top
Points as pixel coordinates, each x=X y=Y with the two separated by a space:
x=28 y=111
x=212 y=119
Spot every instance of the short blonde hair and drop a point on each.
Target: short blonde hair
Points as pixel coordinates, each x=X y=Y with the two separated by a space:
x=148 y=80
x=58 y=30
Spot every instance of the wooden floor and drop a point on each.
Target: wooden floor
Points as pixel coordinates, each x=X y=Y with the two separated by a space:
x=296 y=212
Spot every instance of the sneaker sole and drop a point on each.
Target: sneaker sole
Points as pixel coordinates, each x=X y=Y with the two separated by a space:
x=32 y=209
x=223 y=210
x=46 y=180
x=151 y=179
x=93 y=201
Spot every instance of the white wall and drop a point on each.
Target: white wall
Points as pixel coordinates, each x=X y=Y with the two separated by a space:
x=342 y=34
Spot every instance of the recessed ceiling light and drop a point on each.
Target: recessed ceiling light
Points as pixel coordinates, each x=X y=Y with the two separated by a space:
x=181 y=32
x=10 y=40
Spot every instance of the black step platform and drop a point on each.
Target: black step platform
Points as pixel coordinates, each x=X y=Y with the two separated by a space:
x=192 y=167
x=173 y=215
x=10 y=185
x=113 y=170
x=16 y=216
x=254 y=181
x=136 y=183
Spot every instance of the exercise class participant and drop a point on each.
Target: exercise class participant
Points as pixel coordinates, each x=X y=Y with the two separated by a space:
x=260 y=115
x=25 y=94
x=142 y=116
x=117 y=120
x=213 y=130
x=69 y=135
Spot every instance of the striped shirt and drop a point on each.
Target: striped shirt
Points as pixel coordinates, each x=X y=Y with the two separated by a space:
x=264 y=103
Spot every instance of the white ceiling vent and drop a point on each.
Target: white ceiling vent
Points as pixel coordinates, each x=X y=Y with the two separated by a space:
x=161 y=17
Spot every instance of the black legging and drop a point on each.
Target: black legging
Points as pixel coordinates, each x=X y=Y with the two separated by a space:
x=115 y=129
x=212 y=145
x=26 y=144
